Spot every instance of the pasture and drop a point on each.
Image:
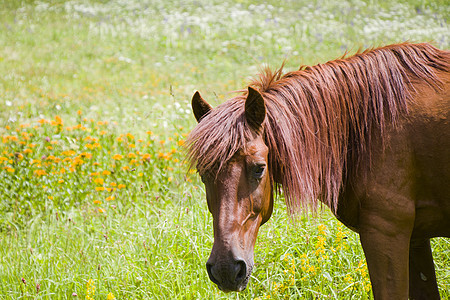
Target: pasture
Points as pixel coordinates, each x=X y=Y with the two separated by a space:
x=96 y=200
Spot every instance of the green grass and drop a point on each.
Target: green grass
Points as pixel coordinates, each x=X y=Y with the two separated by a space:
x=95 y=86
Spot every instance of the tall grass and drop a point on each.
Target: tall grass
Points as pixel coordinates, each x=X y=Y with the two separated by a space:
x=95 y=199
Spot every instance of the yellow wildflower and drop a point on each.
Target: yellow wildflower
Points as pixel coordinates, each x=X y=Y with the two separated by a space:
x=86 y=154
x=65 y=153
x=117 y=157
x=90 y=289
x=57 y=122
x=40 y=172
x=99 y=181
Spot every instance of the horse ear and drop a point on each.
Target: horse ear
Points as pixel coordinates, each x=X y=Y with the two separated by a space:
x=255 y=109
x=200 y=106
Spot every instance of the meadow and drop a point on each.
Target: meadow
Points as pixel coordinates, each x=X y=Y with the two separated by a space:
x=96 y=199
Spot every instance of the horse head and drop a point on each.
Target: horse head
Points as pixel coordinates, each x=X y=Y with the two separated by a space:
x=239 y=196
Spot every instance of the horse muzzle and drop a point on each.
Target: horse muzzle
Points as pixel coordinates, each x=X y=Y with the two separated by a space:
x=231 y=275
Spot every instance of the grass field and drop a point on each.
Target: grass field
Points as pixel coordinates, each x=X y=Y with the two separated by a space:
x=96 y=201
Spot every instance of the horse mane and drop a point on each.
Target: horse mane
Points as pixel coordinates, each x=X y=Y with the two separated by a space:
x=320 y=119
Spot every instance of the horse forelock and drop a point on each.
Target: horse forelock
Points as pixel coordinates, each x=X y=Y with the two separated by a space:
x=218 y=136
x=320 y=119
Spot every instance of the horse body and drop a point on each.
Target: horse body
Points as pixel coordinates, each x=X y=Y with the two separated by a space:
x=404 y=200
x=430 y=136
x=369 y=136
x=414 y=155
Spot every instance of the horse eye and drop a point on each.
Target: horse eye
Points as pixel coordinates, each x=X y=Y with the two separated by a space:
x=258 y=170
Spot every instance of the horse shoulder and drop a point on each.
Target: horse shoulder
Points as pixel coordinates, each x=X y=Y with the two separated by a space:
x=429 y=134
x=410 y=169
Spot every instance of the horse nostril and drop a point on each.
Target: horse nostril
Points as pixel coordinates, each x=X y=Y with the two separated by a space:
x=241 y=271
x=209 y=267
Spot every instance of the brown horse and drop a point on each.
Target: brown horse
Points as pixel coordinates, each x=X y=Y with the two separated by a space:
x=367 y=135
